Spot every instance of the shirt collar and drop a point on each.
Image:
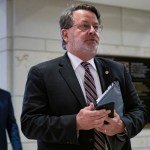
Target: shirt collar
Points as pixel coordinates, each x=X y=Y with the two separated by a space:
x=76 y=61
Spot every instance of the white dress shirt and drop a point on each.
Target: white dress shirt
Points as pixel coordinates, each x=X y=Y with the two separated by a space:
x=79 y=71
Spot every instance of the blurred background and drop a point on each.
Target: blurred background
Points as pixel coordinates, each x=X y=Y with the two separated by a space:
x=29 y=34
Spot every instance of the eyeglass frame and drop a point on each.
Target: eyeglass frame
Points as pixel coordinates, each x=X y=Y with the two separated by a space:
x=86 y=27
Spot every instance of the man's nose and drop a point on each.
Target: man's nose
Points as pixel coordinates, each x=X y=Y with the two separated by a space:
x=91 y=30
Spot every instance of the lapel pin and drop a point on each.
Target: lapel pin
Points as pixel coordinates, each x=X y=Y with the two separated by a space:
x=106 y=72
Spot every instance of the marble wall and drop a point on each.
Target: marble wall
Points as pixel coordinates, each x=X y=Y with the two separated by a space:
x=29 y=34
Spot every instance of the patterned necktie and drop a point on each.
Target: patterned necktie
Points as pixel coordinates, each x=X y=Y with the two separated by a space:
x=91 y=96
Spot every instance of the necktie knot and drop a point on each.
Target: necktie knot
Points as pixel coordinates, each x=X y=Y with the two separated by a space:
x=85 y=65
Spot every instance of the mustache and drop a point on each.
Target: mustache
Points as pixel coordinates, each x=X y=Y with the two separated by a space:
x=93 y=39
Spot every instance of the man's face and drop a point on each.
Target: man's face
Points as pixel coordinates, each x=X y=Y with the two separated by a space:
x=82 y=37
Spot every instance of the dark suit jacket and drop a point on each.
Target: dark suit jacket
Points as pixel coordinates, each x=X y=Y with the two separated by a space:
x=53 y=97
x=8 y=123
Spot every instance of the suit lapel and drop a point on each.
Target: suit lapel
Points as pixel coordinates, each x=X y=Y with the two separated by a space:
x=104 y=73
x=69 y=76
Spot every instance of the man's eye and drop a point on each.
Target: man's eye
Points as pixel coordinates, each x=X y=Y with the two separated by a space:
x=96 y=28
x=85 y=26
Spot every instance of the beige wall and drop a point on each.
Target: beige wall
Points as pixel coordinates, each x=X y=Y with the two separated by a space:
x=29 y=34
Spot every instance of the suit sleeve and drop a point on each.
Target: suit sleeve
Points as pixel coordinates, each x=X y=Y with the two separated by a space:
x=12 y=128
x=135 y=116
x=37 y=122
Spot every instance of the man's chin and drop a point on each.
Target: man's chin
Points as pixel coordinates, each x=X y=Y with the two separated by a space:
x=91 y=49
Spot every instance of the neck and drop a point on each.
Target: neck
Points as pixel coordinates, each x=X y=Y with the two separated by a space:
x=84 y=56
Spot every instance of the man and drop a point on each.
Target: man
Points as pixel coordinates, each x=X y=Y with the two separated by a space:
x=57 y=111
x=8 y=122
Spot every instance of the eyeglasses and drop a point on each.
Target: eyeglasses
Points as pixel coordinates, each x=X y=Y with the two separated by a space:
x=86 y=27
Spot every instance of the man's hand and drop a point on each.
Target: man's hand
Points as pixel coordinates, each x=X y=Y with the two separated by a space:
x=115 y=126
x=88 y=118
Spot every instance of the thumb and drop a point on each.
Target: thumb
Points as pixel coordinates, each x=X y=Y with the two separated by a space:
x=90 y=107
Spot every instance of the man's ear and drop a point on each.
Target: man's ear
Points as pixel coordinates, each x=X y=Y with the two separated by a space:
x=64 y=34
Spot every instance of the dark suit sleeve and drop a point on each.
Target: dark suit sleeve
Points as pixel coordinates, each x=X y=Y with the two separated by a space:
x=12 y=127
x=38 y=121
x=135 y=116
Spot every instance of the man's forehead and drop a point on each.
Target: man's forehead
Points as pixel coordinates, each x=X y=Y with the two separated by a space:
x=83 y=14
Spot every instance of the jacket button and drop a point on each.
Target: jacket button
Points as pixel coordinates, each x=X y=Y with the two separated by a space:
x=91 y=140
